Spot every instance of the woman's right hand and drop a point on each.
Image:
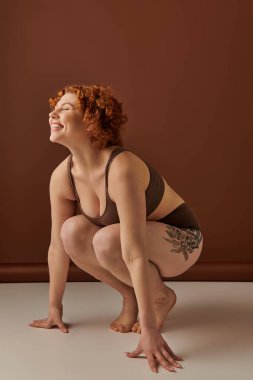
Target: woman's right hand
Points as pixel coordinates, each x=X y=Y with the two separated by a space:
x=54 y=319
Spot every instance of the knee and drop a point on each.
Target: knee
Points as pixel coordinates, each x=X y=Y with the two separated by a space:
x=73 y=231
x=104 y=245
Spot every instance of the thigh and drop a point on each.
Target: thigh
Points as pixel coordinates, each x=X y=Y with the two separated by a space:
x=172 y=249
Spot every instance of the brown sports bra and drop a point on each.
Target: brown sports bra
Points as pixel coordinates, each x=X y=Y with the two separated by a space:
x=154 y=192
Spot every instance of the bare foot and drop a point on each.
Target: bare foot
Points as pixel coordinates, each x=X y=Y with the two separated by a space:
x=128 y=315
x=162 y=308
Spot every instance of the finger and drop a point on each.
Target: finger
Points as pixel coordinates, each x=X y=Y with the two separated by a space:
x=36 y=324
x=40 y=323
x=62 y=327
x=134 y=353
x=168 y=357
x=37 y=320
x=176 y=357
x=165 y=363
x=152 y=363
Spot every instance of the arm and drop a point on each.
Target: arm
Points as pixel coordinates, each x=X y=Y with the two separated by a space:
x=58 y=260
x=129 y=195
x=139 y=271
x=62 y=208
x=58 y=264
x=130 y=200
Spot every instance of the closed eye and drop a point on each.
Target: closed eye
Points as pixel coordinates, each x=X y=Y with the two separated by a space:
x=61 y=109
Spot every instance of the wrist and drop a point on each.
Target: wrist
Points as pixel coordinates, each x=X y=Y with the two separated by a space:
x=55 y=306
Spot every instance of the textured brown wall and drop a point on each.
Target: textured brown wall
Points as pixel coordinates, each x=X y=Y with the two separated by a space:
x=183 y=70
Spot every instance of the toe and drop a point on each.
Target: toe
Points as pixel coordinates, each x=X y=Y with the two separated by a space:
x=134 y=327
x=113 y=327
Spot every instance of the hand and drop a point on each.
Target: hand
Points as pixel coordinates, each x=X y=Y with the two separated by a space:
x=54 y=318
x=156 y=349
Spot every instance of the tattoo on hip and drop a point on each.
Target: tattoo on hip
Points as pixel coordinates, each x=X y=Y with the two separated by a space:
x=184 y=240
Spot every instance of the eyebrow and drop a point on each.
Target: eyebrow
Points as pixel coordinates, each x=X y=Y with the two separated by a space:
x=67 y=103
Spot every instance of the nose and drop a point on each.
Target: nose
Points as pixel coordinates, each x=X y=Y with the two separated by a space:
x=50 y=113
x=51 y=118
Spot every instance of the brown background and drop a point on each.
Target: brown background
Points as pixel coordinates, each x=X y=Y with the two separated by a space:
x=183 y=70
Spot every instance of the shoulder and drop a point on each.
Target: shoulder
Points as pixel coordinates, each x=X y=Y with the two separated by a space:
x=127 y=162
x=128 y=182
x=124 y=159
x=128 y=166
x=60 y=179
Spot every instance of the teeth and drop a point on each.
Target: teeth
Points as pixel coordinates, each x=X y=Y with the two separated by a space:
x=56 y=126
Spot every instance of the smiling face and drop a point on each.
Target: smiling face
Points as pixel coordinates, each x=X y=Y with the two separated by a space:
x=66 y=120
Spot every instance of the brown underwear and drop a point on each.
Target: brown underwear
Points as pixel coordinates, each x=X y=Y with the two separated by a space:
x=183 y=217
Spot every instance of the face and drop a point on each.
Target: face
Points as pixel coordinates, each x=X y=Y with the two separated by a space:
x=66 y=120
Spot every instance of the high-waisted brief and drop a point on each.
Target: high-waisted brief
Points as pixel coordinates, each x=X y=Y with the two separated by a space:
x=183 y=217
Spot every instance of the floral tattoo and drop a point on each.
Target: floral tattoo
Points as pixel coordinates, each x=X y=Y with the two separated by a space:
x=185 y=240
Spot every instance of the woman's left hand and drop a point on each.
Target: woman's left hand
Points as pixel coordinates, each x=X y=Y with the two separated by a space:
x=156 y=349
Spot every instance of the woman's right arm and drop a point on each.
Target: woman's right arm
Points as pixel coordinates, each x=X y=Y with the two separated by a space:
x=62 y=208
x=58 y=264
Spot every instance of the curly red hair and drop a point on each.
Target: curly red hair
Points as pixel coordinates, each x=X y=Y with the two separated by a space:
x=98 y=105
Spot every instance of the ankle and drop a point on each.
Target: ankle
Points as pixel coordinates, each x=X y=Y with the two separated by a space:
x=161 y=298
x=163 y=294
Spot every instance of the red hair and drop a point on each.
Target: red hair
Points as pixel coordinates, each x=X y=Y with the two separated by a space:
x=98 y=105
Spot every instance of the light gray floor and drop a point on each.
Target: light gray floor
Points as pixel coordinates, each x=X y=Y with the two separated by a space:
x=211 y=326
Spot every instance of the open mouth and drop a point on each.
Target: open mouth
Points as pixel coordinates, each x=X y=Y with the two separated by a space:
x=56 y=127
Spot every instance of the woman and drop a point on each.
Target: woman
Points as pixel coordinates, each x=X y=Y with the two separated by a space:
x=133 y=227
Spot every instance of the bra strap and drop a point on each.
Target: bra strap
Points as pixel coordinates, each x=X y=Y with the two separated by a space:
x=114 y=153
x=71 y=178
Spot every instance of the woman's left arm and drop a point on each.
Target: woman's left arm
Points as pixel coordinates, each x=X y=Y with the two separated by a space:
x=130 y=200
